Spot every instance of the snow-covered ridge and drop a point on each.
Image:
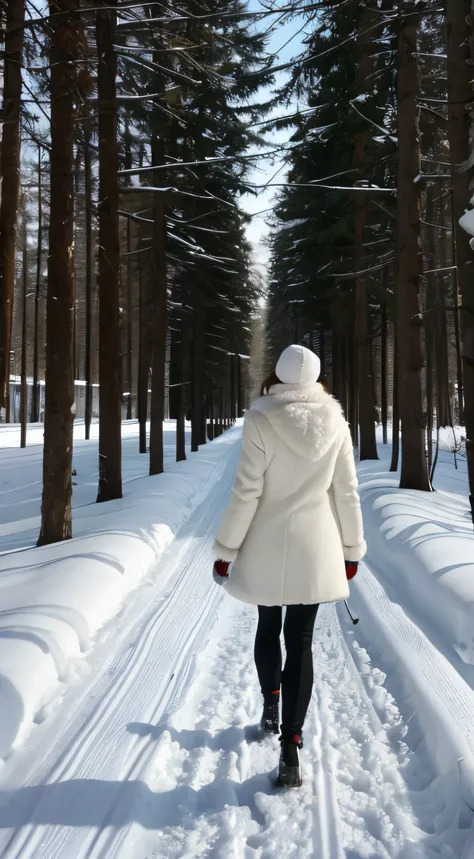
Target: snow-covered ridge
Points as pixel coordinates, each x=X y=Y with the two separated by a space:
x=416 y=596
x=53 y=600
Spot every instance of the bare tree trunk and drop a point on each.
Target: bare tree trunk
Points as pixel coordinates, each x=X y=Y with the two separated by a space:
x=414 y=471
x=24 y=387
x=144 y=361
x=210 y=426
x=197 y=374
x=159 y=320
x=429 y=340
x=110 y=361
x=128 y=166
x=459 y=36
x=363 y=334
x=240 y=393
x=89 y=276
x=10 y=161
x=383 y=371
x=68 y=44
x=182 y=390
x=352 y=388
x=35 y=393
x=129 y=323
x=395 y=406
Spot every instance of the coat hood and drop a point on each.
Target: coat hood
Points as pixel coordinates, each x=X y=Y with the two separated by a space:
x=305 y=417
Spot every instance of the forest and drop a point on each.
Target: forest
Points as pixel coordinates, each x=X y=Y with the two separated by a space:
x=127 y=286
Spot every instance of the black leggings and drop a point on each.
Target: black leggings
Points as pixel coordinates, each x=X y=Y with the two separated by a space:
x=297 y=677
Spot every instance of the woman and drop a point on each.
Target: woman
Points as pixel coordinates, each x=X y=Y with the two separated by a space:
x=293 y=533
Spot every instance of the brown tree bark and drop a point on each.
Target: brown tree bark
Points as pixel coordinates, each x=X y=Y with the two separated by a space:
x=110 y=359
x=144 y=360
x=89 y=278
x=197 y=374
x=129 y=324
x=240 y=392
x=182 y=363
x=68 y=44
x=159 y=300
x=459 y=33
x=363 y=334
x=414 y=470
x=395 y=406
x=35 y=393
x=383 y=372
x=10 y=161
x=24 y=387
x=128 y=166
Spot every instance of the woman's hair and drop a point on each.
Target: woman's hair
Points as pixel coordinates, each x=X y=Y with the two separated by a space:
x=324 y=383
x=269 y=382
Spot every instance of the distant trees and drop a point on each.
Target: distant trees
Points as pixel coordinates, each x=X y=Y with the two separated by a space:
x=366 y=241
x=147 y=261
x=10 y=175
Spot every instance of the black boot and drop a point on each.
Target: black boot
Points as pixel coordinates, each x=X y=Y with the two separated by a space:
x=289 y=772
x=270 y=721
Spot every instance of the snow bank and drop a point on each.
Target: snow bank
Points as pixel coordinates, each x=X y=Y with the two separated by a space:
x=54 y=599
x=422 y=547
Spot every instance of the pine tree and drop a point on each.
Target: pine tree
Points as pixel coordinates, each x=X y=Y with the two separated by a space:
x=67 y=47
x=460 y=96
x=110 y=359
x=414 y=470
x=10 y=165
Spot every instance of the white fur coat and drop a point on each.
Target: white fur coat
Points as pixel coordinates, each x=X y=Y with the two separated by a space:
x=295 y=515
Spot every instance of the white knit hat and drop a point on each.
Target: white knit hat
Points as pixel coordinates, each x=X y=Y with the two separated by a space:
x=298 y=366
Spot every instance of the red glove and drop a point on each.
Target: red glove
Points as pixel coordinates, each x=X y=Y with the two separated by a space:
x=221 y=572
x=351 y=569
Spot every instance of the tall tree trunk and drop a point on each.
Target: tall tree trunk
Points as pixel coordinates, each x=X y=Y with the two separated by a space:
x=128 y=166
x=383 y=372
x=352 y=387
x=182 y=363
x=68 y=45
x=110 y=360
x=35 y=393
x=363 y=334
x=429 y=340
x=232 y=388
x=24 y=387
x=129 y=323
x=414 y=471
x=210 y=426
x=144 y=360
x=89 y=277
x=441 y=330
x=240 y=392
x=197 y=374
x=10 y=161
x=159 y=320
x=459 y=35
x=395 y=405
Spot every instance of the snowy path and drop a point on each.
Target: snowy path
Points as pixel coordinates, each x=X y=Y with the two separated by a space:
x=154 y=752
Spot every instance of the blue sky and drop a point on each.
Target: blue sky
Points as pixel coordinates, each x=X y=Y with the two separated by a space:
x=265 y=168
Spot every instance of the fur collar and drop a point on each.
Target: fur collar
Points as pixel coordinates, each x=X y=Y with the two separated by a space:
x=305 y=417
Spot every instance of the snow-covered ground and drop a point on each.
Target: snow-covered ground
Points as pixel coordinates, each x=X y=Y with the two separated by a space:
x=148 y=748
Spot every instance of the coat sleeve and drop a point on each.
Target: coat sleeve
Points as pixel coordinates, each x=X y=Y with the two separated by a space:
x=246 y=494
x=347 y=502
